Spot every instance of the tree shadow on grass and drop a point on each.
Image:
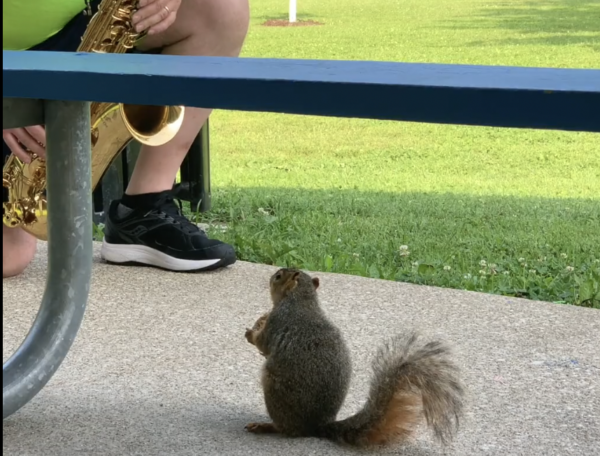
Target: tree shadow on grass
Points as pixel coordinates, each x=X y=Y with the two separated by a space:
x=563 y=22
x=507 y=245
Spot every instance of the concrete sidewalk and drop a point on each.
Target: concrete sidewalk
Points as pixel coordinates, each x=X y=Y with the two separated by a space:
x=161 y=366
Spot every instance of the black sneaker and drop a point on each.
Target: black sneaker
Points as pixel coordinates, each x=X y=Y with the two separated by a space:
x=161 y=236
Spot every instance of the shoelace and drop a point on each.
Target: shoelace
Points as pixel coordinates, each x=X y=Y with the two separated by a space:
x=170 y=205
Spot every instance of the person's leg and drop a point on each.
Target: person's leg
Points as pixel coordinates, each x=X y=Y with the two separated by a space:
x=146 y=226
x=203 y=28
x=18 y=246
x=18 y=249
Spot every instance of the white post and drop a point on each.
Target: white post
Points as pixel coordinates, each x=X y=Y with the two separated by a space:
x=292 y=10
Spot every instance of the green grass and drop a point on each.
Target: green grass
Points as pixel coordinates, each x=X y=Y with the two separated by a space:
x=515 y=212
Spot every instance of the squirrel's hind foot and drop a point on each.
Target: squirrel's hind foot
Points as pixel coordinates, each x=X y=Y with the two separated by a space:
x=261 y=428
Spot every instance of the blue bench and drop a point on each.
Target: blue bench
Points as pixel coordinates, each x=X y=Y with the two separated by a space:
x=55 y=89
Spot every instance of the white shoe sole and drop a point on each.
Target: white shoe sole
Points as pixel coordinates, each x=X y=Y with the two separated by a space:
x=118 y=253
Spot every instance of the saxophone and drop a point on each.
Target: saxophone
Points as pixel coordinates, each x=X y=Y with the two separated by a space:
x=113 y=126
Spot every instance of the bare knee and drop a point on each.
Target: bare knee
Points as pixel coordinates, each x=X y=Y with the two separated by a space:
x=207 y=28
x=221 y=22
x=235 y=20
x=18 y=249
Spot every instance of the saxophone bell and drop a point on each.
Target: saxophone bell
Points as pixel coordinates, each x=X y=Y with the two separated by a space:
x=152 y=125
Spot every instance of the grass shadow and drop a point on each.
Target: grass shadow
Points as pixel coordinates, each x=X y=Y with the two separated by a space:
x=529 y=247
x=561 y=22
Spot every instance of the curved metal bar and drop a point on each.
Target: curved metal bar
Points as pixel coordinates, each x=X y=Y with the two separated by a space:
x=69 y=256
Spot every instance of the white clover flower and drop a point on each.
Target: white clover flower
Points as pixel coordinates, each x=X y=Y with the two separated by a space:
x=570 y=268
x=355 y=255
x=415 y=264
x=262 y=211
x=447 y=268
x=467 y=276
x=403 y=247
x=563 y=255
x=482 y=263
x=532 y=271
x=506 y=273
x=521 y=260
x=493 y=265
x=482 y=272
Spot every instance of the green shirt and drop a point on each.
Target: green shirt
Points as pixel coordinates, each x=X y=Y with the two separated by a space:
x=26 y=23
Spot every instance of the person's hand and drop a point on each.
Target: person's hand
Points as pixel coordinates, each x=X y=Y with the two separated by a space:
x=155 y=16
x=33 y=138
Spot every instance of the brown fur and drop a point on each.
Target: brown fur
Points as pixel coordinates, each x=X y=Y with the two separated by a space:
x=399 y=421
x=307 y=372
x=252 y=333
x=284 y=281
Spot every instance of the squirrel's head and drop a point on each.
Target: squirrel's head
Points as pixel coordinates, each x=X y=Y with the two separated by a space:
x=286 y=281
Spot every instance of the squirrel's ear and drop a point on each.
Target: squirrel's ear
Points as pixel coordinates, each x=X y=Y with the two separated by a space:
x=315 y=281
x=292 y=283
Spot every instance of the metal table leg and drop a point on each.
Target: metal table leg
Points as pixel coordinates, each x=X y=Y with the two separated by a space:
x=69 y=255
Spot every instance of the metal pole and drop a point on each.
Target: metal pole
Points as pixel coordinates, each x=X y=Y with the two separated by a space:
x=69 y=256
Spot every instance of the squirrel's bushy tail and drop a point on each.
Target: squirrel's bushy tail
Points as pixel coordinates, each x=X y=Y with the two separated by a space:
x=413 y=379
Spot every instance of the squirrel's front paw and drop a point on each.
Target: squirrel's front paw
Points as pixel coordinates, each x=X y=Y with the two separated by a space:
x=260 y=323
x=250 y=335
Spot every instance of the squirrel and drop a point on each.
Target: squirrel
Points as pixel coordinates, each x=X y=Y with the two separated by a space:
x=307 y=371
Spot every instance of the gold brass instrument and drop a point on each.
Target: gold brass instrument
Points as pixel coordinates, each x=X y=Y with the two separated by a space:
x=113 y=125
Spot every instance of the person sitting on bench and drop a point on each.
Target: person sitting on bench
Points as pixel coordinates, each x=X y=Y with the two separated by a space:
x=145 y=225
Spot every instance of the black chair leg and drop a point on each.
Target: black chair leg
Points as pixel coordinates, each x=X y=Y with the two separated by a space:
x=205 y=193
x=108 y=189
x=195 y=173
